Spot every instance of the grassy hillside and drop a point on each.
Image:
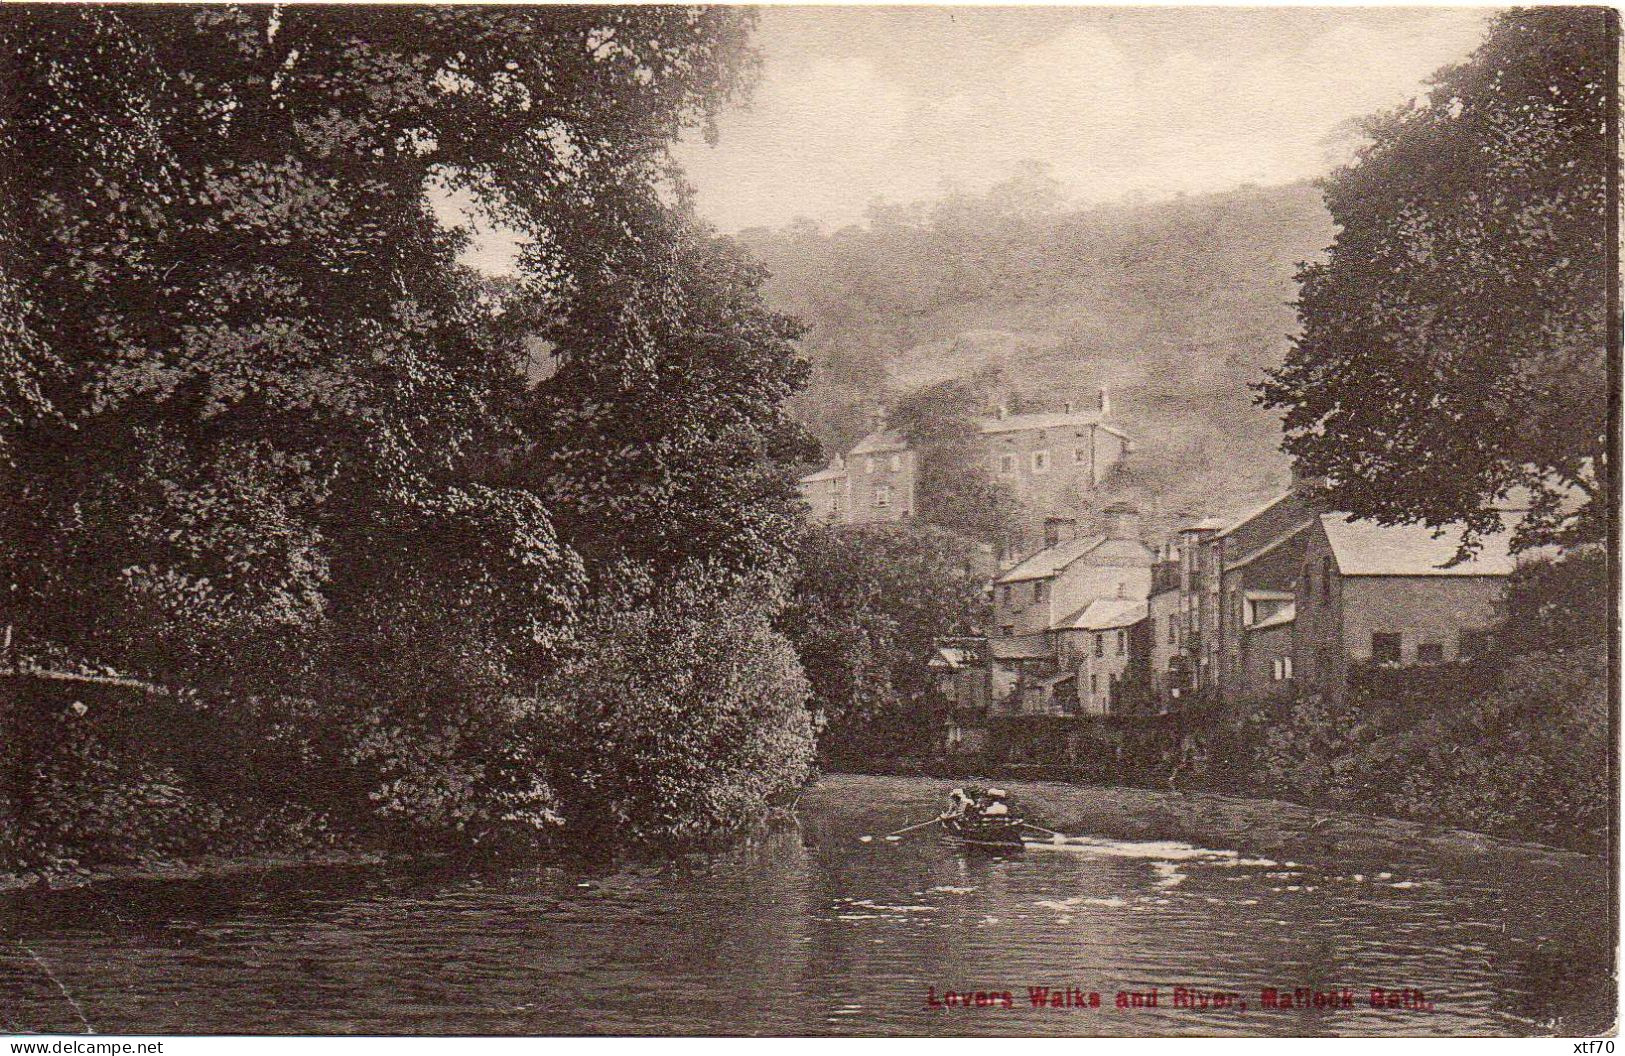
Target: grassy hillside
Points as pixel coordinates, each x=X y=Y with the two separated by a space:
x=1175 y=305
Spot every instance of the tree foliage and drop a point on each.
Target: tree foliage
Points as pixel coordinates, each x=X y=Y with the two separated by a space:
x=866 y=607
x=955 y=485
x=646 y=743
x=269 y=439
x=1453 y=347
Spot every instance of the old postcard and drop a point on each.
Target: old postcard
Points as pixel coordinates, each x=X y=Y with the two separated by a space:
x=934 y=521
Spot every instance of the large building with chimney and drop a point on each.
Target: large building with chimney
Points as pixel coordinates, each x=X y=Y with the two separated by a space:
x=1053 y=462
x=1056 y=664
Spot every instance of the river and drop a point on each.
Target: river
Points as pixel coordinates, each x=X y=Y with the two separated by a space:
x=807 y=929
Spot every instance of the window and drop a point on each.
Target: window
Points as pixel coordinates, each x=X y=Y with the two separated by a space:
x=835 y=504
x=1173 y=629
x=835 y=485
x=1473 y=643
x=1385 y=648
x=1038 y=590
x=868 y=465
x=896 y=463
x=882 y=494
x=1326 y=578
x=1275 y=670
x=1100 y=644
x=1008 y=630
x=1007 y=592
x=1122 y=642
x=1080 y=455
x=1430 y=653
x=1094 y=683
x=1286 y=666
x=1040 y=461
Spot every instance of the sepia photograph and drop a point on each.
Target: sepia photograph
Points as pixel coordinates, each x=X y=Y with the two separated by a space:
x=659 y=520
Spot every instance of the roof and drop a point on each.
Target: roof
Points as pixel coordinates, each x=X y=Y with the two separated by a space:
x=879 y=441
x=1270 y=505
x=1268 y=548
x=1269 y=595
x=1103 y=614
x=1285 y=615
x=827 y=473
x=1206 y=524
x=1015 y=423
x=1054 y=680
x=951 y=657
x=1366 y=548
x=1051 y=560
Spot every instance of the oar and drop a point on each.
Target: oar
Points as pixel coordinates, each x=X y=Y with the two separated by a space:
x=899 y=833
x=1055 y=836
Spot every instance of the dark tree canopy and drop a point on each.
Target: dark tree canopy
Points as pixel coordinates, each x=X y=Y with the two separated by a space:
x=252 y=398
x=1453 y=354
x=956 y=488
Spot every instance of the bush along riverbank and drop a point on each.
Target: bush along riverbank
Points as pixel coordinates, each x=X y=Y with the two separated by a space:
x=625 y=744
x=1517 y=748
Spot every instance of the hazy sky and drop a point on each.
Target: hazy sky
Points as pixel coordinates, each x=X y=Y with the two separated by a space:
x=899 y=102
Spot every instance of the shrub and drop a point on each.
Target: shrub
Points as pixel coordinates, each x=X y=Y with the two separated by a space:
x=682 y=714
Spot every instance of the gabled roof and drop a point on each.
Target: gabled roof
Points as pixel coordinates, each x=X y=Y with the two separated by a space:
x=1052 y=560
x=1284 y=615
x=827 y=473
x=1268 y=506
x=1366 y=548
x=1015 y=423
x=1268 y=548
x=881 y=441
x=1103 y=614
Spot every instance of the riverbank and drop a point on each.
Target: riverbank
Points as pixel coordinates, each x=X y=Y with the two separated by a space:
x=200 y=868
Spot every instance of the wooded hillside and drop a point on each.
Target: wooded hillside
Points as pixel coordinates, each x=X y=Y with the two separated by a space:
x=1176 y=305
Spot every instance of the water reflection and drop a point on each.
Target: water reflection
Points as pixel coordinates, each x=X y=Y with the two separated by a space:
x=808 y=930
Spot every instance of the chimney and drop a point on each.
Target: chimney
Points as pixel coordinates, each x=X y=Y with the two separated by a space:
x=1058 y=530
x=1122 y=521
x=1105 y=403
x=1069 y=407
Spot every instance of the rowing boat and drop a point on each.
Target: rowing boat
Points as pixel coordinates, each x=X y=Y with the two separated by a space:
x=1000 y=830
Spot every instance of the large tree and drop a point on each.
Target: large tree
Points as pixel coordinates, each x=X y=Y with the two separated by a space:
x=257 y=397
x=1453 y=353
x=867 y=604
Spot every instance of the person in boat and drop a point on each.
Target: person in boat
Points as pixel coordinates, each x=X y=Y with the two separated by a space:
x=960 y=804
x=993 y=805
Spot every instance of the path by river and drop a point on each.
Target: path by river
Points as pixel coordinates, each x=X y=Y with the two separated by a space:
x=809 y=930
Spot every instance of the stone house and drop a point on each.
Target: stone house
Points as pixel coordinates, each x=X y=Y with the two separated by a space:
x=1390 y=595
x=1052 y=462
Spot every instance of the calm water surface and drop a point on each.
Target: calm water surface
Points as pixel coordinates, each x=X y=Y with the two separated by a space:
x=808 y=930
